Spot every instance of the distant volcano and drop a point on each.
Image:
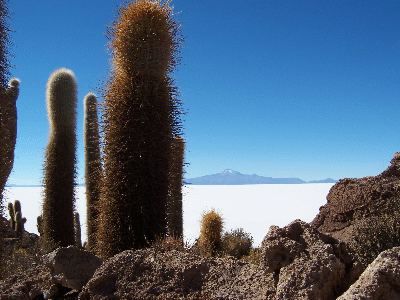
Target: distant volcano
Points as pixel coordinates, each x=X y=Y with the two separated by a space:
x=230 y=177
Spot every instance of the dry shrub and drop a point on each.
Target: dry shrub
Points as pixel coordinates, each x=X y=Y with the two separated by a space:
x=210 y=240
x=237 y=243
x=374 y=235
x=254 y=256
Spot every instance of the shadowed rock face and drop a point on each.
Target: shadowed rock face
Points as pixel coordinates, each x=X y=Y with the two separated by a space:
x=352 y=200
x=307 y=264
x=381 y=280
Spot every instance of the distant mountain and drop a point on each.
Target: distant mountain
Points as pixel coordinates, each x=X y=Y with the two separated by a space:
x=328 y=180
x=230 y=177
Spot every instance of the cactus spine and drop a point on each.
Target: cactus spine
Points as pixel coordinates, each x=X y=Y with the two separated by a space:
x=175 y=212
x=139 y=122
x=93 y=171
x=59 y=166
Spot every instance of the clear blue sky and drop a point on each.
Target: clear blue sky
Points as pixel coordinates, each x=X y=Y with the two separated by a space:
x=280 y=88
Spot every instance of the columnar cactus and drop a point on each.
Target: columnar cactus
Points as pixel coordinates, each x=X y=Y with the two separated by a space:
x=16 y=220
x=140 y=118
x=8 y=130
x=93 y=170
x=59 y=166
x=175 y=211
x=77 y=229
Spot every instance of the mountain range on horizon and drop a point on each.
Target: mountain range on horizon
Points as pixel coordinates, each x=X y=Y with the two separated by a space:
x=231 y=177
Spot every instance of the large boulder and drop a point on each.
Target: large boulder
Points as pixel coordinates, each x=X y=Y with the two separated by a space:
x=151 y=274
x=71 y=267
x=381 y=280
x=307 y=264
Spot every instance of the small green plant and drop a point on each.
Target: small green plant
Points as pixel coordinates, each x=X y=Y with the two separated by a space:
x=210 y=240
x=237 y=243
x=374 y=235
x=16 y=220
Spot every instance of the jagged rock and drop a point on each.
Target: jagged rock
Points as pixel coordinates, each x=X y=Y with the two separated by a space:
x=307 y=264
x=352 y=200
x=71 y=267
x=381 y=280
x=150 y=274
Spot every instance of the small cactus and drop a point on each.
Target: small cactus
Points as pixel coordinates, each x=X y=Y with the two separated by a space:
x=16 y=220
x=210 y=239
x=39 y=224
x=12 y=216
x=19 y=224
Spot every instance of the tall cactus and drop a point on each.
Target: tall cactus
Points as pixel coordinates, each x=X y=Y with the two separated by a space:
x=59 y=166
x=140 y=118
x=175 y=210
x=8 y=130
x=7 y=145
x=93 y=170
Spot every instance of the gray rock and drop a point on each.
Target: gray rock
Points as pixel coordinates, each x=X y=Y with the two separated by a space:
x=381 y=280
x=71 y=267
x=150 y=274
x=307 y=264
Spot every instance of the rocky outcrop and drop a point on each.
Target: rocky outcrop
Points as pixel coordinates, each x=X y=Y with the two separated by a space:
x=71 y=267
x=307 y=264
x=150 y=274
x=62 y=271
x=381 y=280
x=352 y=200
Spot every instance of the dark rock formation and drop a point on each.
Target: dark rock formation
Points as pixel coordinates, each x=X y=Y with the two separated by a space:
x=352 y=200
x=307 y=264
x=381 y=280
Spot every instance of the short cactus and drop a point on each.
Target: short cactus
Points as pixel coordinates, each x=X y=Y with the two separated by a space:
x=210 y=240
x=16 y=220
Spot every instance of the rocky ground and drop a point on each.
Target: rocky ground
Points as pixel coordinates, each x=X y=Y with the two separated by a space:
x=300 y=261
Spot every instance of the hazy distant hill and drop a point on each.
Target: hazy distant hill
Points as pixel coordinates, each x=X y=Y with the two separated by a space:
x=230 y=177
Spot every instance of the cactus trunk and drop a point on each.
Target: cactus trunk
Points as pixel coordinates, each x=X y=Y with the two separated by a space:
x=59 y=167
x=93 y=169
x=175 y=210
x=139 y=122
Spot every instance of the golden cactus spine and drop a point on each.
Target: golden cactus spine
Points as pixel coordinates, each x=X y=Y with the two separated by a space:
x=93 y=171
x=59 y=165
x=140 y=118
x=175 y=210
